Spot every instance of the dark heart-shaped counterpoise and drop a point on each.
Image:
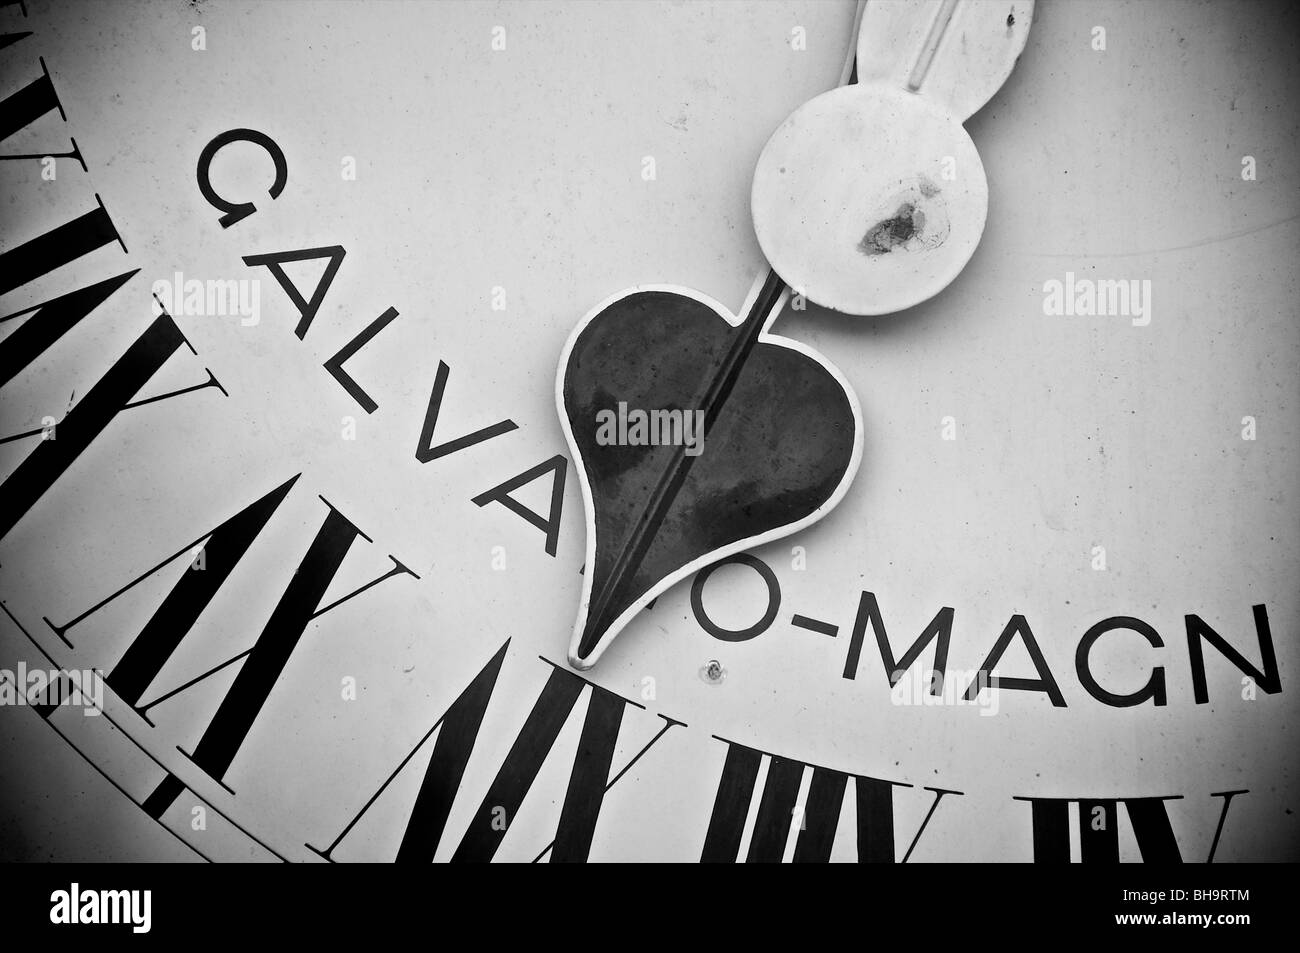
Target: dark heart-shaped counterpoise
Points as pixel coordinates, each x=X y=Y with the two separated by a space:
x=697 y=435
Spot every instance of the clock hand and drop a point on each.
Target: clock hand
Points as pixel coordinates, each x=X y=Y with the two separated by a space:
x=937 y=28
x=602 y=589
x=871 y=198
x=722 y=380
x=780 y=434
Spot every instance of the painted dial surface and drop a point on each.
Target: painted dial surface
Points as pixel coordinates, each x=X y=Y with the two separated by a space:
x=296 y=486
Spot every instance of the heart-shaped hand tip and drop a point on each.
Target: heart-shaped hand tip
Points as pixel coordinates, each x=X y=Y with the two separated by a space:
x=697 y=435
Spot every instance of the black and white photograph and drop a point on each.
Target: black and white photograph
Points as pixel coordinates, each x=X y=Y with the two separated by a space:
x=650 y=432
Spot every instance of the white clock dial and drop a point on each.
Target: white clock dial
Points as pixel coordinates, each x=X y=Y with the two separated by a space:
x=297 y=487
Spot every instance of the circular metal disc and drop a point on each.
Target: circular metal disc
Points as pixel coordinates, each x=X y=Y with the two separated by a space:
x=869 y=200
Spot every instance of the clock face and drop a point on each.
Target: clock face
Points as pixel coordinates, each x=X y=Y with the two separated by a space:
x=288 y=511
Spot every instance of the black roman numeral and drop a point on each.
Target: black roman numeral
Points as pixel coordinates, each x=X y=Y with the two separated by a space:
x=50 y=321
x=115 y=392
x=819 y=820
x=57 y=247
x=458 y=731
x=1099 y=828
x=112 y=394
x=31 y=103
x=264 y=662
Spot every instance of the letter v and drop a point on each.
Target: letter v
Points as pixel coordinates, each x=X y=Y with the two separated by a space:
x=424 y=452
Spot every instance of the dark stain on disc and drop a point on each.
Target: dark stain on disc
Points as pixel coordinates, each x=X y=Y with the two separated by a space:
x=883 y=237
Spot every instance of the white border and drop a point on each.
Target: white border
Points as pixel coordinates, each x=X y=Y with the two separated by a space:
x=732 y=548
